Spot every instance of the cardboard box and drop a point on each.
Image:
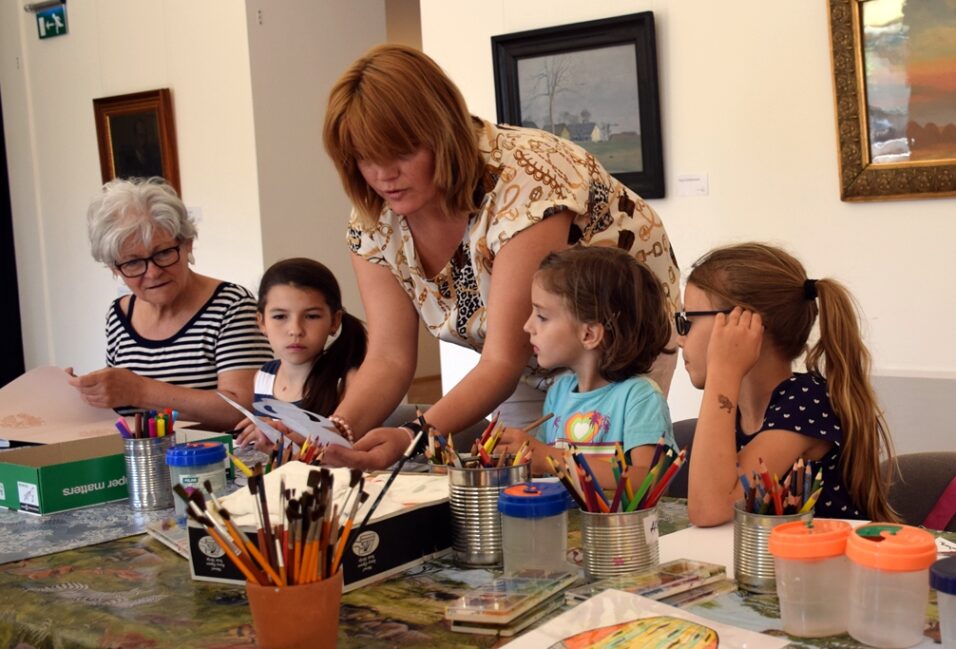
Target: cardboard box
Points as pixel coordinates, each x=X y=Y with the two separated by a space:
x=57 y=477
x=68 y=475
x=386 y=546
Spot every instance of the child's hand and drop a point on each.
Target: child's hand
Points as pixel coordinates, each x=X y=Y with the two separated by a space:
x=512 y=439
x=251 y=435
x=735 y=342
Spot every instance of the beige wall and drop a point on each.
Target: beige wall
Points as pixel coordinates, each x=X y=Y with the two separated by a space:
x=747 y=98
x=298 y=48
x=199 y=51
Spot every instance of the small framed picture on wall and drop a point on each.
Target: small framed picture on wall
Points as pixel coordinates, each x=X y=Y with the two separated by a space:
x=137 y=136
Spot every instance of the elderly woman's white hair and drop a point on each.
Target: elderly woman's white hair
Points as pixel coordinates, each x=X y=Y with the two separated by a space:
x=135 y=208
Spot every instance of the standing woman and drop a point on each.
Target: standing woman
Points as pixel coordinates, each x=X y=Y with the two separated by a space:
x=180 y=336
x=452 y=216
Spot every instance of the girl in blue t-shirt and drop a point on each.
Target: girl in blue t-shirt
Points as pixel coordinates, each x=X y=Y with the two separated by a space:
x=318 y=346
x=600 y=313
x=749 y=309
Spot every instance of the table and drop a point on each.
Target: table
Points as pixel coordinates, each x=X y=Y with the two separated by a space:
x=135 y=592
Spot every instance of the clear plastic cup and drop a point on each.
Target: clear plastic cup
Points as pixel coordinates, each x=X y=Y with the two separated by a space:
x=942 y=577
x=889 y=584
x=534 y=527
x=811 y=570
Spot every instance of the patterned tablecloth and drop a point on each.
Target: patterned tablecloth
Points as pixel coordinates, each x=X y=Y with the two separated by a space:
x=135 y=592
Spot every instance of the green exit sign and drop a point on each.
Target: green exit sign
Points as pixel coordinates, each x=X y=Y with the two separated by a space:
x=51 y=22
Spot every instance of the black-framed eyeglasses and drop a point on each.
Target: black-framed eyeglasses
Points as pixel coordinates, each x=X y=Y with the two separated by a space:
x=682 y=324
x=161 y=259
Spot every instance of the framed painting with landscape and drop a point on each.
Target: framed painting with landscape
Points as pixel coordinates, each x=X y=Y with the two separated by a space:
x=894 y=79
x=594 y=83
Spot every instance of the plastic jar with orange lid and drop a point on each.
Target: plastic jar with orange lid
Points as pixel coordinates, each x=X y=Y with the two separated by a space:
x=811 y=568
x=889 y=583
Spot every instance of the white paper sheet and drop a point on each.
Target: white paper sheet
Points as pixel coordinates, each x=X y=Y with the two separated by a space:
x=308 y=424
x=616 y=607
x=408 y=490
x=42 y=407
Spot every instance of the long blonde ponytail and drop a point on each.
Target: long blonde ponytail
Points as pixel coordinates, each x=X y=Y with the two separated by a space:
x=841 y=357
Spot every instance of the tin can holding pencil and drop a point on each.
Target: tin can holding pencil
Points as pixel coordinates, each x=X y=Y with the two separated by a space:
x=619 y=542
x=753 y=563
x=476 y=523
x=147 y=478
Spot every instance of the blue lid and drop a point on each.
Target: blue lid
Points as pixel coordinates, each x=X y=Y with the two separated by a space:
x=942 y=576
x=196 y=454
x=533 y=500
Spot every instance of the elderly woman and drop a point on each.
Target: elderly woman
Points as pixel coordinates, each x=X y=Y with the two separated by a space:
x=452 y=215
x=180 y=336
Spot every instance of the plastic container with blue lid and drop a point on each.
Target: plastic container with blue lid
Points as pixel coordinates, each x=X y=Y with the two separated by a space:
x=942 y=577
x=192 y=464
x=534 y=527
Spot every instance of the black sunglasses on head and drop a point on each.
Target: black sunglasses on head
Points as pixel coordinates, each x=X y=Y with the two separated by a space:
x=682 y=324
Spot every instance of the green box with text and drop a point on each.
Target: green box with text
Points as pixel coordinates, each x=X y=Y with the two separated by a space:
x=68 y=475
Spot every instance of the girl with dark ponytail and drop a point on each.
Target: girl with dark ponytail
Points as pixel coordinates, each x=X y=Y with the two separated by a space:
x=318 y=346
x=749 y=311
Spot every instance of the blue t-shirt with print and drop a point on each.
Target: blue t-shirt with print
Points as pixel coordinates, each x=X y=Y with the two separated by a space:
x=633 y=412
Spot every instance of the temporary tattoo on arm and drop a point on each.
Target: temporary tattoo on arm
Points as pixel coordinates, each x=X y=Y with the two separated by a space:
x=725 y=403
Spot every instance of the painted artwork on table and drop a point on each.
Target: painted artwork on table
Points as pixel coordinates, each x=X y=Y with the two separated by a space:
x=661 y=631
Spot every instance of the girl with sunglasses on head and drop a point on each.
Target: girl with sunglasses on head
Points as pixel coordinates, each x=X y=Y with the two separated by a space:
x=749 y=309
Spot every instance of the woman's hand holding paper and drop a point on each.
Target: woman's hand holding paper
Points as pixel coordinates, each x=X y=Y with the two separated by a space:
x=110 y=387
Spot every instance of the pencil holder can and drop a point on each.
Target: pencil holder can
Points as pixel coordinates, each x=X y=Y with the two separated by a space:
x=619 y=542
x=812 y=574
x=753 y=563
x=316 y=614
x=476 y=523
x=889 y=583
x=147 y=478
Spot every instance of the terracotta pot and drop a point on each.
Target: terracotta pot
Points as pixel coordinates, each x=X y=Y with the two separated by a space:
x=296 y=617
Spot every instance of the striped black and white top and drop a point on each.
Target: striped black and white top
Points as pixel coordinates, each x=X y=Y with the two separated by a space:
x=222 y=336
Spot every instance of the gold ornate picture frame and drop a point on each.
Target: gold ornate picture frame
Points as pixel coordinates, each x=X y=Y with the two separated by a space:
x=862 y=178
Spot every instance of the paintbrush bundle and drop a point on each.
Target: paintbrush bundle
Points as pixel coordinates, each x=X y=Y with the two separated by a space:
x=304 y=546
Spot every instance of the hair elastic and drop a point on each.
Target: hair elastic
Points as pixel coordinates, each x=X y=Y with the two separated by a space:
x=810 y=289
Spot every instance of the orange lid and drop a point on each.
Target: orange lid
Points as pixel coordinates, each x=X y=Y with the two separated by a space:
x=819 y=538
x=892 y=547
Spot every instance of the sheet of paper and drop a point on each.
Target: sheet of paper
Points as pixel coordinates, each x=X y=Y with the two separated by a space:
x=308 y=424
x=42 y=407
x=269 y=431
x=613 y=607
x=408 y=490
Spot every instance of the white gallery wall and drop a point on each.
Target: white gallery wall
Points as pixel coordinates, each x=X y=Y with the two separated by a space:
x=747 y=99
x=197 y=49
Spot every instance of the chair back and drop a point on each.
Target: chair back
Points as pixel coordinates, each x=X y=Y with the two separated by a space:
x=918 y=483
x=684 y=436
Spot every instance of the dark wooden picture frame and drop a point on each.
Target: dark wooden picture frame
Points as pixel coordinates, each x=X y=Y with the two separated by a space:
x=862 y=179
x=137 y=136
x=586 y=68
